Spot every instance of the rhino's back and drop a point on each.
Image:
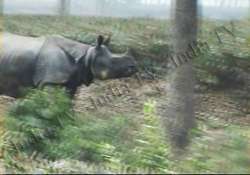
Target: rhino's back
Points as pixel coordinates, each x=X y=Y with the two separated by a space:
x=15 y=45
x=17 y=58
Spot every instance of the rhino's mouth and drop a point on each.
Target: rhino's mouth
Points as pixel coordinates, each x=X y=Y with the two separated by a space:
x=115 y=73
x=124 y=72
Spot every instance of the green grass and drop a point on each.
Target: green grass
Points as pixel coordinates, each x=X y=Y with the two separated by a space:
x=114 y=143
x=49 y=128
x=43 y=122
x=149 y=38
x=221 y=150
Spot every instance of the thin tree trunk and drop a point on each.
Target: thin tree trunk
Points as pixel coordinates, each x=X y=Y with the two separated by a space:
x=64 y=7
x=179 y=115
x=1 y=7
x=1 y=22
x=2 y=129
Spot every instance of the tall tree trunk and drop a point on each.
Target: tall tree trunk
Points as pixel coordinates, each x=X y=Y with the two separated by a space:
x=179 y=115
x=64 y=7
x=2 y=168
x=1 y=7
x=1 y=22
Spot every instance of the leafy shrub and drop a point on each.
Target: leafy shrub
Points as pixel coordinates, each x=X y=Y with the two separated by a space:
x=44 y=123
x=115 y=142
x=40 y=116
x=223 y=152
x=89 y=139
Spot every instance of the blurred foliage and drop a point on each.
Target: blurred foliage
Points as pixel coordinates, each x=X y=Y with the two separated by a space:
x=38 y=117
x=221 y=150
x=112 y=144
x=44 y=123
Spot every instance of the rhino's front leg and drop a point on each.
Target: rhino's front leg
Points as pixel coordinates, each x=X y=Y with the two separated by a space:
x=51 y=86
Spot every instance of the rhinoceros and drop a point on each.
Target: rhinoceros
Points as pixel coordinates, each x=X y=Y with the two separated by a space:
x=56 y=60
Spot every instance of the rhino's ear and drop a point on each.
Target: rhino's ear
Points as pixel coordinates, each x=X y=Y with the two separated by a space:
x=106 y=42
x=99 y=41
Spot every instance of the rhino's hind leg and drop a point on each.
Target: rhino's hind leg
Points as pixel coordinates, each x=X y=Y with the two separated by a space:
x=11 y=92
x=12 y=89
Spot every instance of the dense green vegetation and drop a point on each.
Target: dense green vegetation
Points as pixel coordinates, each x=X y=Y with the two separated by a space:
x=43 y=126
x=46 y=124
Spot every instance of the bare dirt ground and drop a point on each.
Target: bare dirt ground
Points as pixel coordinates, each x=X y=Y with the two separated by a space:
x=228 y=106
x=127 y=96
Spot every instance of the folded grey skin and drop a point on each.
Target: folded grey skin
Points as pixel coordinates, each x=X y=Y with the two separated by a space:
x=55 y=60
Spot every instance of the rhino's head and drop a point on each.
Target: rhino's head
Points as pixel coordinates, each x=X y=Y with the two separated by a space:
x=106 y=65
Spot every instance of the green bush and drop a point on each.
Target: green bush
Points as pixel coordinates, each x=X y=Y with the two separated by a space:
x=40 y=116
x=89 y=139
x=45 y=123
x=115 y=142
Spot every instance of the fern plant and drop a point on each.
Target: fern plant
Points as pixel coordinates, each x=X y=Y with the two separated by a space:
x=41 y=115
